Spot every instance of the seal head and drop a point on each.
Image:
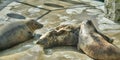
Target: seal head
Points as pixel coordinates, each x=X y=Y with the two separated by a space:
x=33 y=25
x=61 y=36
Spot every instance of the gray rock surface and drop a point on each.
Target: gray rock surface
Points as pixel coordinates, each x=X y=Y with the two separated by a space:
x=62 y=13
x=113 y=10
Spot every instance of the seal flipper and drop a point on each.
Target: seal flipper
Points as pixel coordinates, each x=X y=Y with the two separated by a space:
x=104 y=36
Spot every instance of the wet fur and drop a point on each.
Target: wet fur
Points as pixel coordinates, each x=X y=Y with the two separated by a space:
x=96 y=45
x=60 y=36
x=16 y=32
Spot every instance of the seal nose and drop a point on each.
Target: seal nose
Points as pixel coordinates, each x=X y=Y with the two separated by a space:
x=89 y=22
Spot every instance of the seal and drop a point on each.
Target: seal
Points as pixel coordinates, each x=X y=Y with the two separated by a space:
x=63 y=35
x=17 y=32
x=93 y=44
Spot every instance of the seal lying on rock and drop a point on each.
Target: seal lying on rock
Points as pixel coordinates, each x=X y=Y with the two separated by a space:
x=17 y=32
x=95 y=45
x=62 y=35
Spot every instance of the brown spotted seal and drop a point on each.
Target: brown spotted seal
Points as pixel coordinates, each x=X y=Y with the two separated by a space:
x=62 y=35
x=17 y=32
x=93 y=44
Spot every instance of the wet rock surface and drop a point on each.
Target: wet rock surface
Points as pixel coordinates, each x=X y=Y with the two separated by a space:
x=51 y=14
x=113 y=10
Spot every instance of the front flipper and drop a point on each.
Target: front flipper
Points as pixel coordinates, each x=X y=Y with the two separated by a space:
x=97 y=31
x=106 y=38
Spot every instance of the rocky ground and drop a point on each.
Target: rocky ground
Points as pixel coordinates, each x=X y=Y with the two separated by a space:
x=52 y=13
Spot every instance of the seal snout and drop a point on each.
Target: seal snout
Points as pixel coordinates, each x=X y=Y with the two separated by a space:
x=40 y=25
x=87 y=22
x=42 y=41
x=88 y=25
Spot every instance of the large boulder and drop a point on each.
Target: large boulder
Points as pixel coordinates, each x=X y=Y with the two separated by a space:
x=113 y=10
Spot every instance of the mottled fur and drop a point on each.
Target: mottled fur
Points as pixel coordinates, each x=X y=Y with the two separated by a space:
x=62 y=35
x=95 y=45
x=17 y=32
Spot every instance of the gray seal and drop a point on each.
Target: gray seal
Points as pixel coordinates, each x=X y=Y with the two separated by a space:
x=63 y=35
x=96 y=45
x=17 y=32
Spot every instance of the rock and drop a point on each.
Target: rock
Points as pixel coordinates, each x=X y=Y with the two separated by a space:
x=20 y=9
x=33 y=53
x=113 y=10
x=72 y=15
x=67 y=55
x=109 y=28
x=30 y=51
